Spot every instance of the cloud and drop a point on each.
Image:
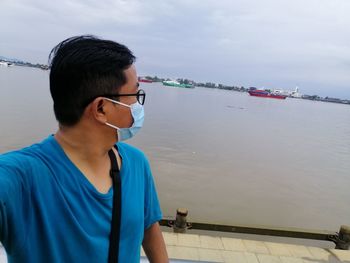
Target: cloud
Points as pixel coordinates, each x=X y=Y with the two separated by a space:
x=243 y=42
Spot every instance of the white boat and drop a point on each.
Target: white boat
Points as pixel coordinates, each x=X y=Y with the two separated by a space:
x=294 y=93
x=4 y=64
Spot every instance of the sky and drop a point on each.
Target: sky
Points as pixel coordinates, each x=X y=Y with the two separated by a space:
x=274 y=44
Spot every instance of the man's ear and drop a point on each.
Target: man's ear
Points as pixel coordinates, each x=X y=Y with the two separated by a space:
x=100 y=106
x=98 y=110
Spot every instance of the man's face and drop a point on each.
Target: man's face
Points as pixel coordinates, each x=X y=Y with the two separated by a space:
x=123 y=117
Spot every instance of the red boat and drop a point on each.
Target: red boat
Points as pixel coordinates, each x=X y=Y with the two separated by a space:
x=144 y=80
x=266 y=94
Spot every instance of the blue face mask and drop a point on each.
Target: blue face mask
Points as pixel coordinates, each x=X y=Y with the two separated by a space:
x=138 y=115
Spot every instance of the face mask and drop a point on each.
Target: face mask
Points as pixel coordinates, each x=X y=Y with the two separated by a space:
x=138 y=115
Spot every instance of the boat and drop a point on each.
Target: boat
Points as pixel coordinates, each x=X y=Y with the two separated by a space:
x=140 y=79
x=174 y=83
x=5 y=64
x=296 y=94
x=266 y=94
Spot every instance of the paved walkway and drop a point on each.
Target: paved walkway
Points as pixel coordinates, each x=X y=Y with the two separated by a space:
x=215 y=249
x=201 y=248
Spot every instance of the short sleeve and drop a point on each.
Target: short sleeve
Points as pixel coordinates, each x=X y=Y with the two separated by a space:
x=152 y=213
x=12 y=203
x=9 y=197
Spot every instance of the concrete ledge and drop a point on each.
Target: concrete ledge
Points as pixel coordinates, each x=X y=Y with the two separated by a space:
x=204 y=248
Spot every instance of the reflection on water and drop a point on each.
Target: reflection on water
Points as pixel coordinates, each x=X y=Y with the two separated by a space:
x=227 y=157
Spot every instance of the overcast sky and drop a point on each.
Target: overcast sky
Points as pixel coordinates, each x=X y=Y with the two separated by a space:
x=261 y=43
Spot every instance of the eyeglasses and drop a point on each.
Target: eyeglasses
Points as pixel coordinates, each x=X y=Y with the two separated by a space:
x=140 y=96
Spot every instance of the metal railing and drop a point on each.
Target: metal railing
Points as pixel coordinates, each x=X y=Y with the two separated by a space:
x=180 y=225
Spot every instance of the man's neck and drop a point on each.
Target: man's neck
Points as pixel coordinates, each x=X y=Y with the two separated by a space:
x=89 y=152
x=83 y=144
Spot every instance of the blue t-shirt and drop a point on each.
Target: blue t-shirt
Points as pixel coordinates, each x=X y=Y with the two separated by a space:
x=50 y=212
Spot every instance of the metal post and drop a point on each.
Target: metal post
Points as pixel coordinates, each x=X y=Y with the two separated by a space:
x=343 y=241
x=180 y=224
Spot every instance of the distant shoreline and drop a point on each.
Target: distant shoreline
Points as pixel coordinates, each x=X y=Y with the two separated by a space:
x=11 y=62
x=243 y=89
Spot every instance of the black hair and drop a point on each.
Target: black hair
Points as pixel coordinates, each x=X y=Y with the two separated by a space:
x=83 y=68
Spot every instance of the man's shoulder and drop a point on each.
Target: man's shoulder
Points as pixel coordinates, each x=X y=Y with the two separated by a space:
x=132 y=155
x=130 y=150
x=23 y=158
x=20 y=156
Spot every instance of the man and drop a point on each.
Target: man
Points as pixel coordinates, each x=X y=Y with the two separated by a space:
x=57 y=196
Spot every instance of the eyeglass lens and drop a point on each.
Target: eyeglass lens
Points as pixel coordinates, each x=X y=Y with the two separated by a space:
x=141 y=95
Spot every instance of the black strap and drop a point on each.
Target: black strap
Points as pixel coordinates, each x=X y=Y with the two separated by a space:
x=116 y=211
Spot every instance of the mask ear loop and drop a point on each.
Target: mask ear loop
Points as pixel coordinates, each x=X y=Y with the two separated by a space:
x=112 y=126
x=117 y=102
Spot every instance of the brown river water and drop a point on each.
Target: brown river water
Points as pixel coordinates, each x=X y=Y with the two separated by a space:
x=227 y=157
